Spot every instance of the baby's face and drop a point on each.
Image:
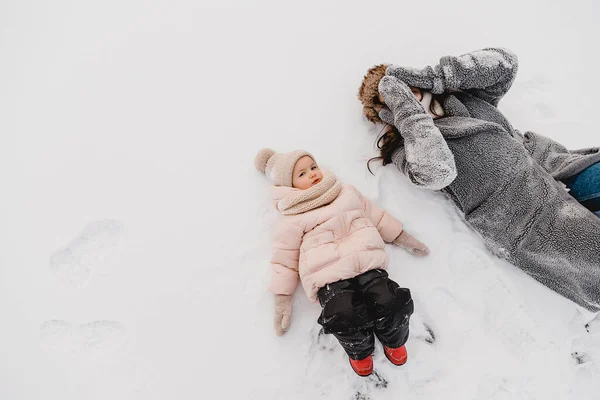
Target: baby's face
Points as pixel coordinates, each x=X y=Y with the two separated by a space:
x=306 y=173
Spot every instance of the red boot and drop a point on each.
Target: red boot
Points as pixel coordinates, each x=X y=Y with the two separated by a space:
x=397 y=356
x=362 y=367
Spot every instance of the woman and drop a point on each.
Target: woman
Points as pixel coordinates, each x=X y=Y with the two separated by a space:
x=445 y=133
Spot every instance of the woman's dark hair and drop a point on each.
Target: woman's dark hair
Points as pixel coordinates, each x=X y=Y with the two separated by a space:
x=387 y=143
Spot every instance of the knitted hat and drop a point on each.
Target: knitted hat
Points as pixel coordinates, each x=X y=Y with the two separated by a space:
x=278 y=167
x=369 y=90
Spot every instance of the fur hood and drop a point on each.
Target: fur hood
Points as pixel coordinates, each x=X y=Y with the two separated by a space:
x=369 y=90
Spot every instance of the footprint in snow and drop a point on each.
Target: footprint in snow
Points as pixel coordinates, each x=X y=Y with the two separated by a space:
x=94 y=338
x=93 y=250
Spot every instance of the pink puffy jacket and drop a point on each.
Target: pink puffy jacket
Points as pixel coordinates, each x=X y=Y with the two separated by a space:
x=330 y=243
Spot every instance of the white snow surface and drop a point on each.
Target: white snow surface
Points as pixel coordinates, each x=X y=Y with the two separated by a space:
x=135 y=232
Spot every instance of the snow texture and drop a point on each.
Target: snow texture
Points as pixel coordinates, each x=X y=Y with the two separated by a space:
x=94 y=249
x=135 y=230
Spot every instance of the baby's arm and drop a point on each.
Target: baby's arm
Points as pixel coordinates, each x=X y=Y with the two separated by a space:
x=390 y=229
x=487 y=74
x=287 y=239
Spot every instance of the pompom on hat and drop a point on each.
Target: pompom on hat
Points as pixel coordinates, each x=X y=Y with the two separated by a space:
x=278 y=167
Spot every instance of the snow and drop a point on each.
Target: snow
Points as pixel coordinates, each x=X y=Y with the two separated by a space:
x=135 y=230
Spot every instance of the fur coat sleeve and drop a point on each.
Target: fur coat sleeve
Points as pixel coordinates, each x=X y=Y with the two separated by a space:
x=487 y=74
x=555 y=158
x=425 y=157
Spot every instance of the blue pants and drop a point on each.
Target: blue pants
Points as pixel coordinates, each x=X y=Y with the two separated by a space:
x=585 y=187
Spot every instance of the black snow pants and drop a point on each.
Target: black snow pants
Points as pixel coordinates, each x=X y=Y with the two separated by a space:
x=356 y=309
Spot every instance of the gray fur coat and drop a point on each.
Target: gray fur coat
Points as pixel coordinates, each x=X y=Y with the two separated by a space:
x=504 y=182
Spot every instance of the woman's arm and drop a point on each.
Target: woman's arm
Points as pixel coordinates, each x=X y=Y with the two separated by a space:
x=487 y=74
x=555 y=158
x=425 y=159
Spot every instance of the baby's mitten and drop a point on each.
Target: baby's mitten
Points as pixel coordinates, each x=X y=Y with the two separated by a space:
x=412 y=245
x=283 y=313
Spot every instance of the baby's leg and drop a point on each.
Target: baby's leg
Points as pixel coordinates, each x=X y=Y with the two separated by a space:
x=389 y=305
x=345 y=315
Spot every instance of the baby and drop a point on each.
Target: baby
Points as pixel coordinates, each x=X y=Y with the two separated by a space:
x=331 y=239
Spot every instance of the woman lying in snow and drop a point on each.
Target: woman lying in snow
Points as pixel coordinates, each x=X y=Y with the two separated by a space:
x=445 y=132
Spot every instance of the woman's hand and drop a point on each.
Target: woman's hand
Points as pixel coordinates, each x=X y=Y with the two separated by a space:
x=426 y=78
x=400 y=99
x=386 y=115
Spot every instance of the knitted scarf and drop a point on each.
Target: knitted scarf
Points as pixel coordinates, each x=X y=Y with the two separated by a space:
x=300 y=201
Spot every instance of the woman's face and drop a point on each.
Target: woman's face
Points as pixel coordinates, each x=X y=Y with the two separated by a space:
x=417 y=92
x=428 y=101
